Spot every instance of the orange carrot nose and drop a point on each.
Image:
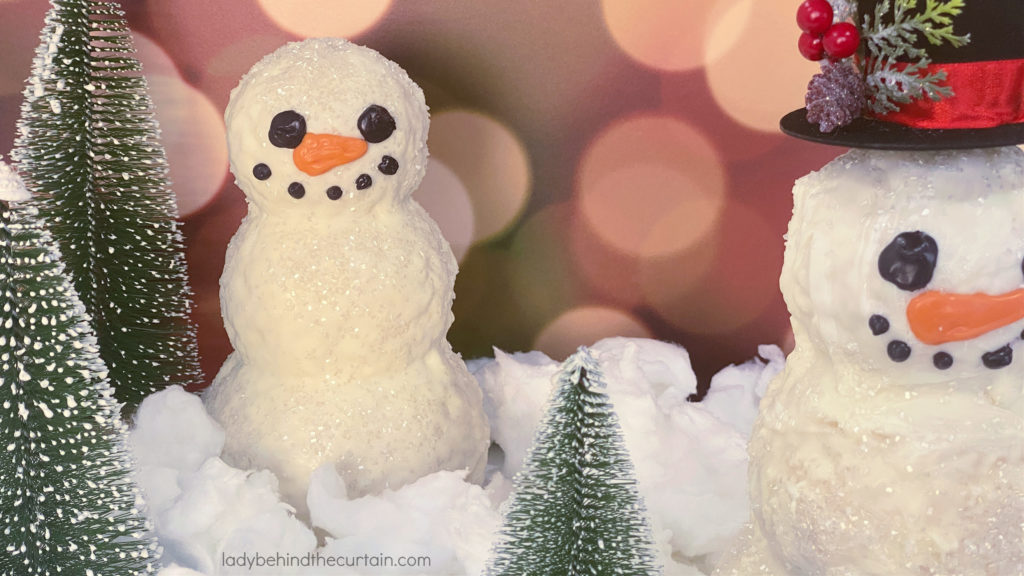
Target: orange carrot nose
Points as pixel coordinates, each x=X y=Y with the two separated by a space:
x=938 y=317
x=318 y=153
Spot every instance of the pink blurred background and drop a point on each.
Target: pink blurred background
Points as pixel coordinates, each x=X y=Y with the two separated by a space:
x=600 y=167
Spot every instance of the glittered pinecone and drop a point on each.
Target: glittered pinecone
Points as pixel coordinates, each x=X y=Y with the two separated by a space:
x=835 y=96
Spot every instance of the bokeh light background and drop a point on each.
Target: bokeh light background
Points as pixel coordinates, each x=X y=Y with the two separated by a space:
x=600 y=167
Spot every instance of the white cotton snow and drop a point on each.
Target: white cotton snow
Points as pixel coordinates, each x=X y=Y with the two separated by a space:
x=175 y=422
x=12 y=189
x=200 y=506
x=690 y=459
x=440 y=516
x=516 y=389
x=175 y=570
x=736 y=391
x=690 y=462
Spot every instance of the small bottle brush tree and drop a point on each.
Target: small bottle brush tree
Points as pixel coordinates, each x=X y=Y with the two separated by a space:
x=67 y=502
x=576 y=510
x=88 y=148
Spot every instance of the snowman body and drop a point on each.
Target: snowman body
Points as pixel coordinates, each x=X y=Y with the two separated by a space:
x=893 y=442
x=337 y=288
x=322 y=294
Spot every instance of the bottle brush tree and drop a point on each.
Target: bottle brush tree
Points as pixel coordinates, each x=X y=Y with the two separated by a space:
x=88 y=148
x=67 y=501
x=575 y=510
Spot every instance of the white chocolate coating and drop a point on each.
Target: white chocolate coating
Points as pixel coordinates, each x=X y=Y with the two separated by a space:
x=861 y=465
x=338 y=309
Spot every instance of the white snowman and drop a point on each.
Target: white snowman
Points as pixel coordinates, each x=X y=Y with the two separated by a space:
x=893 y=442
x=337 y=288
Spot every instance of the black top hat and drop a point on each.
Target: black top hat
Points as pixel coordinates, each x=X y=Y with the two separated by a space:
x=985 y=76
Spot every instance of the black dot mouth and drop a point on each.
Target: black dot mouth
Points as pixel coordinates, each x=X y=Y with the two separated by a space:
x=997 y=359
x=261 y=171
x=878 y=324
x=942 y=360
x=334 y=192
x=900 y=351
x=387 y=166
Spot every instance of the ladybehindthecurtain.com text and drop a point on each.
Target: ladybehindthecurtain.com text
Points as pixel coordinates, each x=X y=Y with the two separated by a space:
x=256 y=560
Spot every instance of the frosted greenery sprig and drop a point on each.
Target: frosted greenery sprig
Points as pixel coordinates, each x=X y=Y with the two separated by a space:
x=843 y=10
x=890 y=46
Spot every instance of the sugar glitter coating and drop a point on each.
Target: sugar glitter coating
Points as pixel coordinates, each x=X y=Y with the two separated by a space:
x=338 y=306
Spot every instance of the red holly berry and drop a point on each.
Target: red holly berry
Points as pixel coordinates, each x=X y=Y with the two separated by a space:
x=811 y=46
x=814 y=16
x=841 y=40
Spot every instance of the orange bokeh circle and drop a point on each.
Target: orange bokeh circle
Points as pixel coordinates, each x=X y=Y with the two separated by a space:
x=317 y=18
x=667 y=35
x=584 y=325
x=491 y=163
x=645 y=169
x=758 y=76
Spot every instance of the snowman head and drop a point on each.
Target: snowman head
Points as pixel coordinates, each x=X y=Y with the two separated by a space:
x=325 y=125
x=910 y=263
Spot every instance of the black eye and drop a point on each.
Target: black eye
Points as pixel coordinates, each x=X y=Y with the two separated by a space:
x=909 y=260
x=376 y=124
x=287 y=129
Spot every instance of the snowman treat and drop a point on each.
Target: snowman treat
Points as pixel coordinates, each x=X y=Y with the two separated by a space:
x=337 y=287
x=893 y=442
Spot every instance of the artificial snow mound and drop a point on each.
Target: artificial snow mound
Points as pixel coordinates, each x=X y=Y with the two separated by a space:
x=690 y=463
